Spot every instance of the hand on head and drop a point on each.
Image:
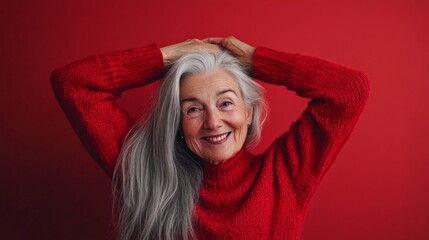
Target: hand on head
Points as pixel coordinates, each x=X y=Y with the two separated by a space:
x=242 y=51
x=173 y=52
x=235 y=47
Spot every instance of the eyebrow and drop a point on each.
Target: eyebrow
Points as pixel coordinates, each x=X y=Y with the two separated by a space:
x=192 y=99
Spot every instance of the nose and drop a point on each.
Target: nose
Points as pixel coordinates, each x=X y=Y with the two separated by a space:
x=212 y=119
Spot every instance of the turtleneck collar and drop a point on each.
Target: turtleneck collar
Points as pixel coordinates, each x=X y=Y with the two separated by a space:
x=228 y=173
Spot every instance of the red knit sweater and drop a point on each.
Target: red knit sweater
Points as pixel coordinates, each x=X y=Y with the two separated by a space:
x=247 y=197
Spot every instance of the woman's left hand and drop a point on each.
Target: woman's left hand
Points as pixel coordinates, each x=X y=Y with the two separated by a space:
x=173 y=52
x=242 y=51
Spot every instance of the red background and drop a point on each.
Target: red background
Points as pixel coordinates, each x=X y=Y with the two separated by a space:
x=377 y=189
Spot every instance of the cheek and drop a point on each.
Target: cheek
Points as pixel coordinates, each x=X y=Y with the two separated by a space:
x=190 y=128
x=237 y=119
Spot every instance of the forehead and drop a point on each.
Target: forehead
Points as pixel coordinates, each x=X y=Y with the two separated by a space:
x=207 y=84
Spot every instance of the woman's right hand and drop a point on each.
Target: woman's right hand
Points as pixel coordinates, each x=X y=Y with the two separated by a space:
x=242 y=51
x=173 y=52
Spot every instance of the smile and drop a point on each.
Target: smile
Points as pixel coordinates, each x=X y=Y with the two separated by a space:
x=218 y=138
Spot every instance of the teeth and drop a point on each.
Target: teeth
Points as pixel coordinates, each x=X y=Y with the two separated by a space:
x=217 y=139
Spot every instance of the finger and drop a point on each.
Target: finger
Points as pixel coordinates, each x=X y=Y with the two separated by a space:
x=208 y=47
x=214 y=40
x=224 y=43
x=215 y=48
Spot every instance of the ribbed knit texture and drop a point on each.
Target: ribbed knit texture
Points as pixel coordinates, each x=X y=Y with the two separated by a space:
x=247 y=197
x=87 y=89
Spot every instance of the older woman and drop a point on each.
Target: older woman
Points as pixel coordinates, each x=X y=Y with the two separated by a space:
x=185 y=171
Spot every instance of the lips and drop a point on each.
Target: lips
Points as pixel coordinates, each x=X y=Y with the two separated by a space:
x=217 y=139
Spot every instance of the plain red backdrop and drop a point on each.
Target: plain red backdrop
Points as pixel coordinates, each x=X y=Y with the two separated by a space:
x=378 y=187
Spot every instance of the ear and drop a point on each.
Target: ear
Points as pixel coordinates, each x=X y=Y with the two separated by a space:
x=249 y=115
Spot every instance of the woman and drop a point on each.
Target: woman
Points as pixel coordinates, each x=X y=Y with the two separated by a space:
x=185 y=172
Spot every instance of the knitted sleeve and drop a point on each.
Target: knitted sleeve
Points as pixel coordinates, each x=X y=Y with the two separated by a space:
x=338 y=96
x=87 y=90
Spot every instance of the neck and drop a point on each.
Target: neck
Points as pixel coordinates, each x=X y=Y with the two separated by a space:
x=227 y=173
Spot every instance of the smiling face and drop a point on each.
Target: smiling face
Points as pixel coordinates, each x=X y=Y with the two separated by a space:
x=214 y=116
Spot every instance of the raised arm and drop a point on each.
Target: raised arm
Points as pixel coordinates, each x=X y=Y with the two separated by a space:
x=87 y=89
x=338 y=96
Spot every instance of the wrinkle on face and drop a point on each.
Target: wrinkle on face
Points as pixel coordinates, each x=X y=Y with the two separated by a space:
x=209 y=91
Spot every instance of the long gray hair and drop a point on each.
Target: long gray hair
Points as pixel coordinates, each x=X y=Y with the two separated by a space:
x=157 y=178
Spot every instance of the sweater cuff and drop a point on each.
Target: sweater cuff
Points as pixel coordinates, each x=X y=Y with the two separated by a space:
x=272 y=66
x=135 y=67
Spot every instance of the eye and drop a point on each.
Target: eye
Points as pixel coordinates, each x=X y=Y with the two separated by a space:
x=226 y=104
x=193 y=110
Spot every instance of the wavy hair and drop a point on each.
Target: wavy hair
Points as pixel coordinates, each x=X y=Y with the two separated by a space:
x=157 y=178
